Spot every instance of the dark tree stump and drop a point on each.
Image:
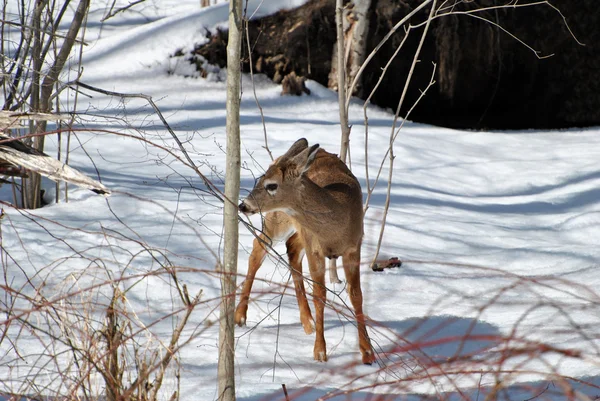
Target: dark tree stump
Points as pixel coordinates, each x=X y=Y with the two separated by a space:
x=485 y=78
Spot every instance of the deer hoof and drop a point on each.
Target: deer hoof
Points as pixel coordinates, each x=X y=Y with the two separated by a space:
x=240 y=319
x=368 y=357
x=309 y=327
x=321 y=356
x=320 y=352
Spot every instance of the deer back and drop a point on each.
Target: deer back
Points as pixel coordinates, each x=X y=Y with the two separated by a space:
x=345 y=224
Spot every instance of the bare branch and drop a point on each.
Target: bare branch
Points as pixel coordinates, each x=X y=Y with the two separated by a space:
x=213 y=189
x=260 y=109
x=380 y=44
x=393 y=132
x=111 y=13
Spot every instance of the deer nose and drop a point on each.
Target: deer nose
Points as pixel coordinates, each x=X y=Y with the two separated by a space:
x=243 y=208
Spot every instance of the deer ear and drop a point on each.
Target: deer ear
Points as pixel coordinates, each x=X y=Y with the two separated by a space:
x=295 y=149
x=310 y=157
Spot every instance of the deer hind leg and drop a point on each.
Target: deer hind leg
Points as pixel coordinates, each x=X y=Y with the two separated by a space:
x=317 y=272
x=295 y=251
x=257 y=256
x=333 y=275
x=352 y=269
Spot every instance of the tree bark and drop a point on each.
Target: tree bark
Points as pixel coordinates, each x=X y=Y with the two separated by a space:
x=357 y=43
x=341 y=79
x=226 y=376
x=352 y=26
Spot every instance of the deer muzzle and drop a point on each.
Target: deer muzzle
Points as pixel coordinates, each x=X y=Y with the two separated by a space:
x=246 y=209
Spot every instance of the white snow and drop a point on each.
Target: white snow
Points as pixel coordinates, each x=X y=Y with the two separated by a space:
x=498 y=232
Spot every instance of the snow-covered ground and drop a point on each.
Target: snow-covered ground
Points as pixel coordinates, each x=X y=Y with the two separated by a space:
x=498 y=232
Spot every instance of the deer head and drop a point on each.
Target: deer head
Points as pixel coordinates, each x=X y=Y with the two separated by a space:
x=283 y=180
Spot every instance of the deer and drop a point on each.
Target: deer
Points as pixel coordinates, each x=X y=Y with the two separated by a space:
x=322 y=202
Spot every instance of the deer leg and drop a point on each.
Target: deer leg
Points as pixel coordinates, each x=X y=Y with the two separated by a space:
x=352 y=269
x=256 y=258
x=316 y=264
x=333 y=276
x=295 y=249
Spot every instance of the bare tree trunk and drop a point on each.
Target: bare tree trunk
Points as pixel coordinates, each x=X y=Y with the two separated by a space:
x=341 y=79
x=31 y=185
x=226 y=376
x=348 y=55
x=41 y=95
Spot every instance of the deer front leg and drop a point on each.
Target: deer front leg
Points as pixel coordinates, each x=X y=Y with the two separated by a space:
x=256 y=258
x=316 y=264
x=352 y=269
x=295 y=251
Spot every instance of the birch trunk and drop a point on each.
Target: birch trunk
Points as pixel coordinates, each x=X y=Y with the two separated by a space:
x=357 y=43
x=226 y=376
x=349 y=52
x=341 y=79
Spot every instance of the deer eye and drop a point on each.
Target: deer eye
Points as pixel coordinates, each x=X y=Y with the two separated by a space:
x=271 y=188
